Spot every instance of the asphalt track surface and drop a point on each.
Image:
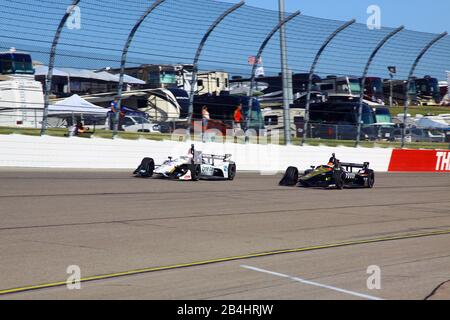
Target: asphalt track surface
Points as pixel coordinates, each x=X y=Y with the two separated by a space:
x=246 y=239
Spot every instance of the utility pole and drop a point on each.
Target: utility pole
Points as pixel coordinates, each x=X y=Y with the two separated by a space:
x=287 y=84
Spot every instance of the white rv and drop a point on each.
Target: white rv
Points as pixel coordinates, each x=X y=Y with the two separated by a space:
x=208 y=82
x=162 y=105
x=21 y=97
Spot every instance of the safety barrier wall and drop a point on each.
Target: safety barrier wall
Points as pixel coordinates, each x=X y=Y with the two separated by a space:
x=79 y=153
x=420 y=161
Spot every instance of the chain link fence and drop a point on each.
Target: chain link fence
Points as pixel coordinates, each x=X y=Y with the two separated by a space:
x=327 y=59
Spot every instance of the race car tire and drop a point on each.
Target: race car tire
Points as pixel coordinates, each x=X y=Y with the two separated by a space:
x=290 y=178
x=146 y=168
x=371 y=180
x=196 y=171
x=232 y=171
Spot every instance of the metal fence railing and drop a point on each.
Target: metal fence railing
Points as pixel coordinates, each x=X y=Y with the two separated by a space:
x=29 y=121
x=208 y=46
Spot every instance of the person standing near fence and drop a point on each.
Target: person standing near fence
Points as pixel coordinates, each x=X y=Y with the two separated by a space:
x=113 y=114
x=237 y=118
x=205 y=120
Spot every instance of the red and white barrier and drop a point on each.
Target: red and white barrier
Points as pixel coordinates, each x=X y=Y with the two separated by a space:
x=420 y=161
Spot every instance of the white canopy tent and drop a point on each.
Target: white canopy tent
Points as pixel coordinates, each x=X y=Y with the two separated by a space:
x=432 y=123
x=75 y=105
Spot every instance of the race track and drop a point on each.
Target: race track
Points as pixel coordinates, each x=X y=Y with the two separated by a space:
x=208 y=237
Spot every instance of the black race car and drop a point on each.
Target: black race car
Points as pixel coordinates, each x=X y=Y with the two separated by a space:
x=335 y=174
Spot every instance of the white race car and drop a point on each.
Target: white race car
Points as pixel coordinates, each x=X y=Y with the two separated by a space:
x=193 y=167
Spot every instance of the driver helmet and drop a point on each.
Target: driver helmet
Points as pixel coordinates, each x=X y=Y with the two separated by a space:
x=332 y=161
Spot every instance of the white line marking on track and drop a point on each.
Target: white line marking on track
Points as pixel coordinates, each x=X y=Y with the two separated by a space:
x=296 y=279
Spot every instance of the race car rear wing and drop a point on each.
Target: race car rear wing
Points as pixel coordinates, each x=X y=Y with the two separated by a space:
x=351 y=166
x=198 y=156
x=217 y=157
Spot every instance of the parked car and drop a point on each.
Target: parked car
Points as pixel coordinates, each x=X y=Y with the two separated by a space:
x=420 y=135
x=139 y=124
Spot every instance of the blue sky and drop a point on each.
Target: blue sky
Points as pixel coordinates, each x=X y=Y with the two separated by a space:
x=419 y=15
x=173 y=32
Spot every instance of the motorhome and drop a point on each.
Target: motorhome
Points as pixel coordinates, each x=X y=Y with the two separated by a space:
x=161 y=105
x=270 y=89
x=428 y=91
x=373 y=90
x=340 y=85
x=21 y=97
x=208 y=82
x=399 y=92
x=338 y=120
x=274 y=116
x=179 y=76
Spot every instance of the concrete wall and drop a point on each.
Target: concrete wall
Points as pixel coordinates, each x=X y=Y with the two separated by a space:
x=78 y=153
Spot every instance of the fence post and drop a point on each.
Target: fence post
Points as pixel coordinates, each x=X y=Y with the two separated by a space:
x=124 y=61
x=51 y=64
x=363 y=82
x=313 y=69
x=410 y=79
x=197 y=58
x=255 y=66
x=286 y=76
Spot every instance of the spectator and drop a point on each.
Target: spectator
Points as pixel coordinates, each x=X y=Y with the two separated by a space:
x=238 y=117
x=81 y=128
x=73 y=130
x=77 y=129
x=115 y=113
x=205 y=121
x=205 y=117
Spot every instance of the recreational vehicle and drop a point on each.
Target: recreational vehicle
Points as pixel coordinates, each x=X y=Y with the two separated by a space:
x=161 y=105
x=179 y=76
x=399 y=92
x=21 y=97
x=340 y=85
x=373 y=90
x=270 y=89
x=428 y=91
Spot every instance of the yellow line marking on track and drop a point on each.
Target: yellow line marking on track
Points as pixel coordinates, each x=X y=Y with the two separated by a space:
x=229 y=259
